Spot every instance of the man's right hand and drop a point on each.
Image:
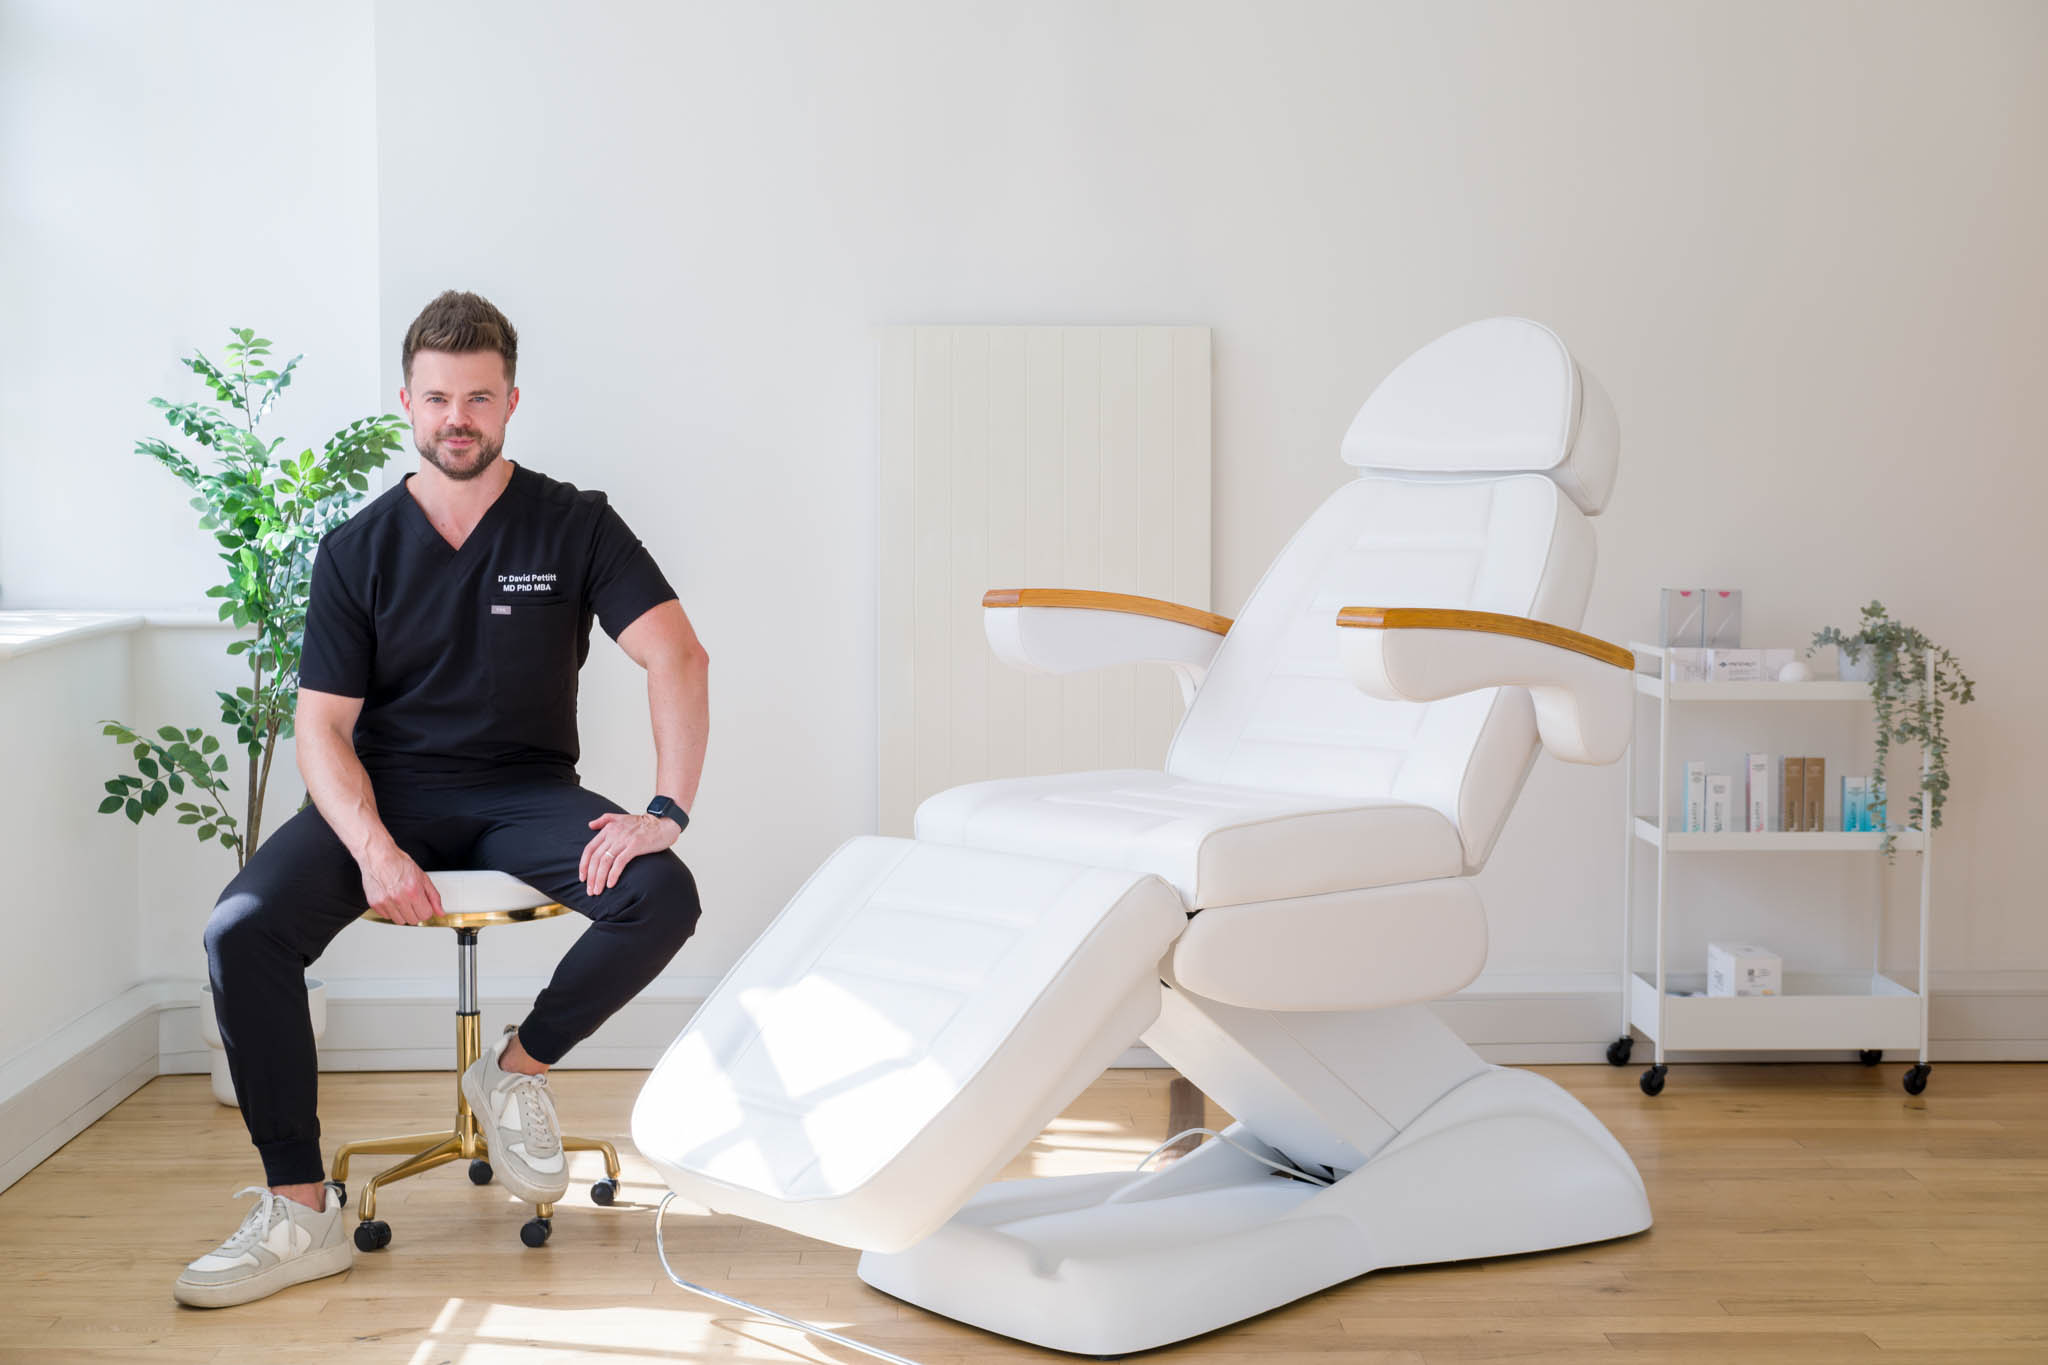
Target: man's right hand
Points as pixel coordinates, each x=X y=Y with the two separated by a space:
x=396 y=887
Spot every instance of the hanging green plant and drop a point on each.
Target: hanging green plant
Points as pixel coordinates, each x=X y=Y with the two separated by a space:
x=1912 y=681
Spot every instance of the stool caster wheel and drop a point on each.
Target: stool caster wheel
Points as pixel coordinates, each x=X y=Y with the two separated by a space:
x=340 y=1192
x=1653 y=1080
x=604 y=1192
x=1916 y=1079
x=373 y=1234
x=1618 y=1050
x=534 y=1232
x=479 y=1172
x=1870 y=1056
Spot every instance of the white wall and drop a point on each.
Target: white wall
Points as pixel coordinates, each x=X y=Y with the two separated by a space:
x=71 y=912
x=1799 y=243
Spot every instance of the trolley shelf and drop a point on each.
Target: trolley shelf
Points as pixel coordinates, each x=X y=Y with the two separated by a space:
x=1854 y=1010
x=1651 y=685
x=1820 y=841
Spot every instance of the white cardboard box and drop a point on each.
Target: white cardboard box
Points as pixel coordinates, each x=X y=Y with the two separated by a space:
x=1720 y=803
x=1759 y=794
x=1743 y=969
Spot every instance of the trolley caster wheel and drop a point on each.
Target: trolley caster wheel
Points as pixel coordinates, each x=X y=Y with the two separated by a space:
x=1653 y=1080
x=340 y=1192
x=479 y=1172
x=604 y=1192
x=373 y=1234
x=534 y=1232
x=1618 y=1050
x=1870 y=1056
x=1916 y=1079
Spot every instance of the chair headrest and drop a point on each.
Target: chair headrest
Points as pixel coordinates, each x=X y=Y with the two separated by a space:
x=1500 y=396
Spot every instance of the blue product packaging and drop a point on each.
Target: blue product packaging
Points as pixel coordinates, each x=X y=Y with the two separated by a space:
x=1855 y=813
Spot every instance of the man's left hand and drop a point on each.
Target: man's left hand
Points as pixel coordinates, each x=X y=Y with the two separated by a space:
x=620 y=839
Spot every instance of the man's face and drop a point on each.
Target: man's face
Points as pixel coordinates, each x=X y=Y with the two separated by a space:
x=459 y=404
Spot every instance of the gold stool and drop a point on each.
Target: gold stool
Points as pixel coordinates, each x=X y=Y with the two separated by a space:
x=484 y=898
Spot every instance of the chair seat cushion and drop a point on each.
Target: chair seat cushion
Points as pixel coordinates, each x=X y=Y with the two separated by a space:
x=1216 y=845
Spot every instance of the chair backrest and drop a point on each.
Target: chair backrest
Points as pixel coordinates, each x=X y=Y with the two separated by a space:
x=1481 y=458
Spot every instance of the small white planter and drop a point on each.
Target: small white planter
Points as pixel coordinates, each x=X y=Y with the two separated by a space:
x=1862 y=670
x=209 y=1029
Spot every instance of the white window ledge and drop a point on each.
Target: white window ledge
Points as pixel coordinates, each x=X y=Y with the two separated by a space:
x=26 y=631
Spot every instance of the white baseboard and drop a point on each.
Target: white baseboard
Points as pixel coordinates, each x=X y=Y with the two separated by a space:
x=56 y=1089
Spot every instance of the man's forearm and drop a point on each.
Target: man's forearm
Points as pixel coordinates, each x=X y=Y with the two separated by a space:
x=679 y=705
x=340 y=788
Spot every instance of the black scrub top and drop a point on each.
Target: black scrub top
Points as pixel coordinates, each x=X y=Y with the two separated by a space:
x=466 y=660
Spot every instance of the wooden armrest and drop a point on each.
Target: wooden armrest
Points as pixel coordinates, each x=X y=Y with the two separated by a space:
x=1087 y=599
x=1495 y=623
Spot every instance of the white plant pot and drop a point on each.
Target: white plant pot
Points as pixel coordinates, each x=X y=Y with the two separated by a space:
x=209 y=1030
x=1864 y=667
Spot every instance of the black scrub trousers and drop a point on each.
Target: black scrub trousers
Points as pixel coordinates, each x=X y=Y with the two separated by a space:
x=467 y=662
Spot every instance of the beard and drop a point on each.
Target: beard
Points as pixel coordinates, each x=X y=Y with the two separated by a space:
x=459 y=465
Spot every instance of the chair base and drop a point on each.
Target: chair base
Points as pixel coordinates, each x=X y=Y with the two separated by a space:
x=463 y=1142
x=1108 y=1264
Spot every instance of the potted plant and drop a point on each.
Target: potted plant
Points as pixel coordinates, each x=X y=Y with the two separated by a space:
x=1912 y=681
x=267 y=512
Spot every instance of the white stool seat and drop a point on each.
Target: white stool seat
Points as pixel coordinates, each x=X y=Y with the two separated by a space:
x=469 y=892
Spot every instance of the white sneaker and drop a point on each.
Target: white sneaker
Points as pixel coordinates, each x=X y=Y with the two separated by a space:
x=519 y=1126
x=281 y=1243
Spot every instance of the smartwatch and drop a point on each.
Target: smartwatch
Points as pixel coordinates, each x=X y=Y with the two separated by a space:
x=663 y=808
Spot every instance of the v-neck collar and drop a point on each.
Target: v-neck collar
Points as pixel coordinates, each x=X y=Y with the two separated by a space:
x=423 y=525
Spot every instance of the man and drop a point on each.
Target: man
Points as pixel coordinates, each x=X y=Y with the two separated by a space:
x=437 y=729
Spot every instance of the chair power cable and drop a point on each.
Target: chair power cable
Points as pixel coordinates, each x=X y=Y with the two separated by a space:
x=727 y=1299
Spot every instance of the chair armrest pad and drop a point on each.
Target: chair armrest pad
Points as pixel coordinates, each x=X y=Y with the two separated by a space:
x=1583 y=688
x=1067 y=630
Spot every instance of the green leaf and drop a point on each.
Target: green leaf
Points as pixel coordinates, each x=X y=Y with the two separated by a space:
x=110 y=805
x=134 y=810
x=148 y=766
x=206 y=831
x=220 y=764
x=116 y=786
x=208 y=744
x=188 y=819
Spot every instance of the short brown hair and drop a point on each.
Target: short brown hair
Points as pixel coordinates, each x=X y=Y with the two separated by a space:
x=460 y=321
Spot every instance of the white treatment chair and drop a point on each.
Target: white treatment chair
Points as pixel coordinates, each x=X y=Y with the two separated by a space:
x=1271 y=914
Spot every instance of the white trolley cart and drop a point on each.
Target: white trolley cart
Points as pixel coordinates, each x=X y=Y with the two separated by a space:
x=1854 y=1010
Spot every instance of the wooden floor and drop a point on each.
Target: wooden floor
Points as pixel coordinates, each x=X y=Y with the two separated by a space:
x=1804 y=1213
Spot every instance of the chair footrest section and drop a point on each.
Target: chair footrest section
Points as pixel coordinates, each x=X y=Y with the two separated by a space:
x=915 y=1015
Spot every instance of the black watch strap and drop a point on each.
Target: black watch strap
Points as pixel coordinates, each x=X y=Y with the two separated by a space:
x=663 y=808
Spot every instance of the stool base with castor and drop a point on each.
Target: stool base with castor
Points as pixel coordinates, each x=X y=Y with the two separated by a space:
x=465 y=1141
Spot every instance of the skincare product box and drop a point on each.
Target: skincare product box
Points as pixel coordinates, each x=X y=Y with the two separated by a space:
x=1691 y=664
x=1743 y=969
x=1855 y=802
x=1695 y=798
x=1758 y=791
x=1683 y=618
x=1737 y=665
x=1816 y=795
x=1792 y=796
x=1724 y=618
x=1720 y=803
